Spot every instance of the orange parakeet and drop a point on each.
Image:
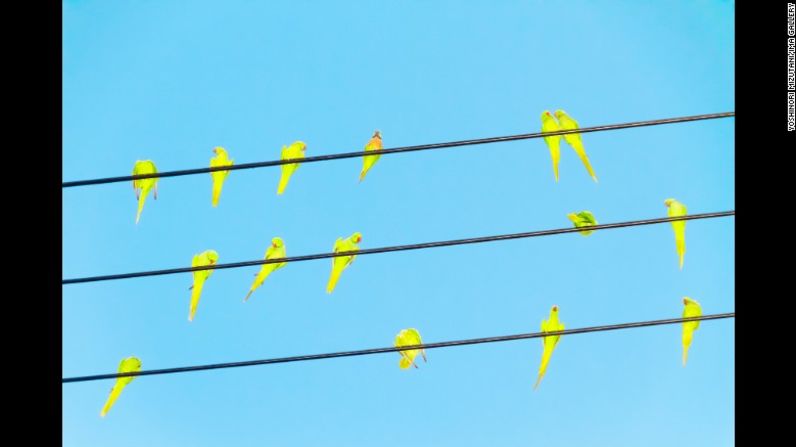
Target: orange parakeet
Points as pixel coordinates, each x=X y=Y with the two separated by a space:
x=374 y=144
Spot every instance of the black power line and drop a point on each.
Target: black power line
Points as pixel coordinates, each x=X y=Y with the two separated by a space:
x=444 y=344
x=397 y=150
x=370 y=251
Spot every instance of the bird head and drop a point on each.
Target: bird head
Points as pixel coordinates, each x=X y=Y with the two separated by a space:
x=131 y=364
x=277 y=242
x=687 y=301
x=302 y=145
x=212 y=256
x=377 y=134
x=546 y=115
x=554 y=309
x=573 y=217
x=356 y=237
x=560 y=113
x=668 y=202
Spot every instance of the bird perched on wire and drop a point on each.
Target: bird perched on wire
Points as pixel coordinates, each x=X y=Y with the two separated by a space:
x=549 y=124
x=293 y=152
x=409 y=337
x=573 y=139
x=274 y=251
x=677 y=209
x=203 y=259
x=143 y=186
x=583 y=219
x=691 y=309
x=340 y=263
x=221 y=159
x=552 y=324
x=374 y=144
x=130 y=364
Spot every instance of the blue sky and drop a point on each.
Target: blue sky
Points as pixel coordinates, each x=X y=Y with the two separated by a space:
x=168 y=81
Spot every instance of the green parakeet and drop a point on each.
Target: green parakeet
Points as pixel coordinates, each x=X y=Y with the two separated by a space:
x=549 y=124
x=142 y=187
x=677 y=209
x=549 y=343
x=339 y=263
x=692 y=309
x=294 y=151
x=573 y=139
x=130 y=364
x=583 y=219
x=221 y=159
x=409 y=337
x=208 y=257
x=369 y=160
x=275 y=251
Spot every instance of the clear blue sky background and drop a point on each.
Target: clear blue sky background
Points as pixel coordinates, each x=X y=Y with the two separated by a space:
x=168 y=81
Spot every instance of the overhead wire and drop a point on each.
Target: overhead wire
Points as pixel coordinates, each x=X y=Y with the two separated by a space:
x=421 y=147
x=444 y=344
x=395 y=248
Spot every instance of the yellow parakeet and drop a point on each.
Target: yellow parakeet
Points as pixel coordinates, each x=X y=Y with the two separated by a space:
x=142 y=186
x=573 y=139
x=208 y=257
x=583 y=219
x=275 y=251
x=130 y=364
x=409 y=337
x=294 y=151
x=549 y=124
x=221 y=159
x=369 y=160
x=692 y=309
x=549 y=343
x=339 y=263
x=677 y=209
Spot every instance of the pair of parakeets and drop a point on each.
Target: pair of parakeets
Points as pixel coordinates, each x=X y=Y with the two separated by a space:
x=296 y=151
x=407 y=337
x=276 y=250
x=143 y=186
x=691 y=309
x=674 y=209
x=565 y=122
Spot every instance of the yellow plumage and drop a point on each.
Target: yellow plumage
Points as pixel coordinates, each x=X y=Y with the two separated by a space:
x=130 y=364
x=143 y=186
x=221 y=159
x=293 y=152
x=409 y=337
x=206 y=258
x=549 y=343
